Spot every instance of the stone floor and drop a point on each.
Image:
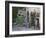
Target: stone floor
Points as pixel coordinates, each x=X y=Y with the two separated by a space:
x=24 y=28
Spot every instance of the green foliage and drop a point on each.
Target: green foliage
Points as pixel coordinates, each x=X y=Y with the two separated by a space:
x=15 y=12
x=19 y=20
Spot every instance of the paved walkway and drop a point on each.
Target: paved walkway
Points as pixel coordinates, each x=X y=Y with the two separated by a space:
x=17 y=28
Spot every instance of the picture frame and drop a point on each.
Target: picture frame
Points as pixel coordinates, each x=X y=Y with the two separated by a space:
x=14 y=8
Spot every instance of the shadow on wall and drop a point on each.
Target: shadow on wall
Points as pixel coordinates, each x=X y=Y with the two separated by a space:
x=9 y=37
